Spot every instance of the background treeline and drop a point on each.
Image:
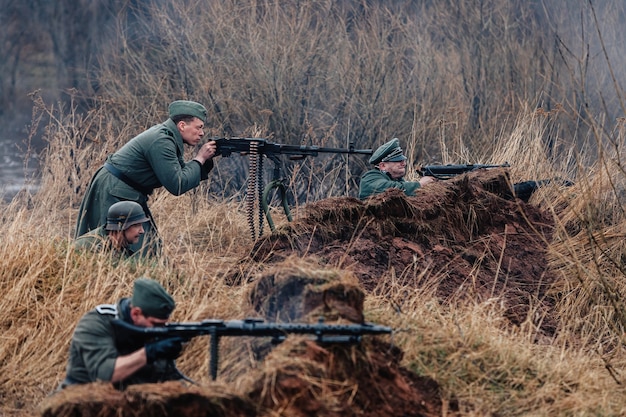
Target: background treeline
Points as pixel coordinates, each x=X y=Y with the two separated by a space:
x=447 y=77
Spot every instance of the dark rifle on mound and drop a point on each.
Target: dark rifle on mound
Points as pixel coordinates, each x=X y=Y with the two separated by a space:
x=323 y=333
x=255 y=148
x=444 y=172
x=522 y=190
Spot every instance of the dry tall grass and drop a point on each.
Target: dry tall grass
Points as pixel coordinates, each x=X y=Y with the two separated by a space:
x=446 y=77
x=487 y=367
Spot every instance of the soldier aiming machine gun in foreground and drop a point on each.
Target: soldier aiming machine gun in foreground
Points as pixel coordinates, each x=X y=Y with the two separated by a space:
x=323 y=333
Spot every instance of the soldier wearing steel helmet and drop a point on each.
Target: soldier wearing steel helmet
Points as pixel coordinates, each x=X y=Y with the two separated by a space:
x=153 y=159
x=124 y=227
x=388 y=172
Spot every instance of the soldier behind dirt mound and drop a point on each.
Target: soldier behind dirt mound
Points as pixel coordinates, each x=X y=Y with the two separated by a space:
x=390 y=167
x=388 y=172
x=99 y=351
x=124 y=227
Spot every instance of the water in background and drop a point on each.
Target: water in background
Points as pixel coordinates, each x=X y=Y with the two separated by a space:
x=16 y=172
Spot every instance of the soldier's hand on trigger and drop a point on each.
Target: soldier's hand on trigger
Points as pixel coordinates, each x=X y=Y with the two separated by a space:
x=164 y=349
x=209 y=149
x=206 y=152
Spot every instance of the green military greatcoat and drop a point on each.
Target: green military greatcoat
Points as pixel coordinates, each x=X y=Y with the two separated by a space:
x=375 y=181
x=150 y=160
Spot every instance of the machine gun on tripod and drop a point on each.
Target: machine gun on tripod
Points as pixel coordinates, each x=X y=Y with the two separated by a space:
x=255 y=148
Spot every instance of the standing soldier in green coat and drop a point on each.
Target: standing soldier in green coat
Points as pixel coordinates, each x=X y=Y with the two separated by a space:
x=389 y=170
x=124 y=228
x=150 y=160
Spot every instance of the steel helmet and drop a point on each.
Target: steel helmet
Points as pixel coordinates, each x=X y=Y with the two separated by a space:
x=124 y=214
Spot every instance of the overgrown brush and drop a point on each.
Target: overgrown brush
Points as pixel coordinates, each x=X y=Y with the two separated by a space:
x=480 y=362
x=259 y=70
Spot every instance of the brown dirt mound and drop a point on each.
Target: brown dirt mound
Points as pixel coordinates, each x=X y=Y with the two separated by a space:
x=295 y=291
x=466 y=237
x=302 y=378
x=155 y=400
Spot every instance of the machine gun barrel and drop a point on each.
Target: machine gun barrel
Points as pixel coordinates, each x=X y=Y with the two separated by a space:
x=256 y=149
x=226 y=146
x=323 y=333
x=522 y=190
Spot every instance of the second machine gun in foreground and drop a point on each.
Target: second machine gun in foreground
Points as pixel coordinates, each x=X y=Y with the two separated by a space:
x=255 y=148
x=323 y=333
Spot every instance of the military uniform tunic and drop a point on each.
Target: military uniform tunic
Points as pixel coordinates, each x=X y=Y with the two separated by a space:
x=96 y=344
x=375 y=181
x=150 y=160
x=97 y=240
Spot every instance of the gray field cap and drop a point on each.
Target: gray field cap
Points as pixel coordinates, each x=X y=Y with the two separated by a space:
x=152 y=298
x=389 y=152
x=187 y=108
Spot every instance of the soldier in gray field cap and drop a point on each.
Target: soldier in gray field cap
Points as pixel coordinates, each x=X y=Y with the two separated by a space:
x=388 y=172
x=124 y=227
x=150 y=160
x=100 y=351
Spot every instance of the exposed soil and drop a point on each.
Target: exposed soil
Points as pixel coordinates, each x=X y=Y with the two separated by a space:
x=463 y=238
x=467 y=237
x=309 y=379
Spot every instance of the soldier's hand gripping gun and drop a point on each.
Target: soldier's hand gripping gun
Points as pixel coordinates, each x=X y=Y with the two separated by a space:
x=322 y=333
x=255 y=148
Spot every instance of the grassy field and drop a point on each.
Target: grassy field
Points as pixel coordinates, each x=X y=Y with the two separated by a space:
x=385 y=76
x=488 y=367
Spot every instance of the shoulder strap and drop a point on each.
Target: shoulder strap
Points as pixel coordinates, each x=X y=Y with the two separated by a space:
x=164 y=130
x=108 y=309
